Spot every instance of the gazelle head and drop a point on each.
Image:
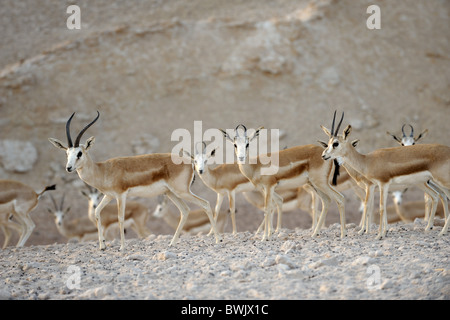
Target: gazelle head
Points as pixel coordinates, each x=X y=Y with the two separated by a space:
x=161 y=207
x=76 y=153
x=58 y=212
x=408 y=140
x=200 y=158
x=397 y=196
x=336 y=147
x=94 y=196
x=241 y=141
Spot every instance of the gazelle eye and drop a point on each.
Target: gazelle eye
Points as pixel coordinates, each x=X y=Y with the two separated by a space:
x=235 y=146
x=335 y=144
x=79 y=154
x=246 y=146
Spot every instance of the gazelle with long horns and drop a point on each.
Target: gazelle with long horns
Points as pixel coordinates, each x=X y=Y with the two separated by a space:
x=18 y=199
x=411 y=165
x=297 y=166
x=143 y=175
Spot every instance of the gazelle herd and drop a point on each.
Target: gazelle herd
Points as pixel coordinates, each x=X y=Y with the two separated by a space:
x=304 y=175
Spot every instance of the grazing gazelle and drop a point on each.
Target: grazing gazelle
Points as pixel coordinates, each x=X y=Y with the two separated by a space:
x=19 y=200
x=297 y=166
x=410 y=165
x=136 y=214
x=143 y=175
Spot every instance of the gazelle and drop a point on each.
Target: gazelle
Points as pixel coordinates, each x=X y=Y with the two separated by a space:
x=411 y=165
x=410 y=141
x=225 y=179
x=196 y=222
x=297 y=166
x=136 y=214
x=81 y=229
x=19 y=200
x=143 y=175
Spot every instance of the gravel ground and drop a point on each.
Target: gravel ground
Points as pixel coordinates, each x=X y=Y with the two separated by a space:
x=408 y=264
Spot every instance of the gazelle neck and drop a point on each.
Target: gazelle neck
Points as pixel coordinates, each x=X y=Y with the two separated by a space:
x=354 y=160
x=89 y=171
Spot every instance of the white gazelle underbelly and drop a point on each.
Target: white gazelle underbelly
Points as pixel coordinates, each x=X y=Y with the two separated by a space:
x=296 y=182
x=150 y=191
x=411 y=179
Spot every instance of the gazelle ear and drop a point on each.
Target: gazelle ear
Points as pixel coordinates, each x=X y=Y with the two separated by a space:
x=226 y=135
x=57 y=143
x=347 y=131
x=327 y=132
x=188 y=154
x=325 y=145
x=394 y=136
x=213 y=152
x=420 y=136
x=89 y=143
x=255 y=134
x=355 y=143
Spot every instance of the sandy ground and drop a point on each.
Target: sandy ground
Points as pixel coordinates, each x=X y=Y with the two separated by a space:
x=408 y=264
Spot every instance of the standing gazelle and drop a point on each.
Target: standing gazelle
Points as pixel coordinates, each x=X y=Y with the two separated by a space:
x=297 y=166
x=225 y=179
x=143 y=175
x=411 y=165
x=410 y=141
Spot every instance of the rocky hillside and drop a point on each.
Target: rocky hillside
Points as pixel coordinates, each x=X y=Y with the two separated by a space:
x=151 y=67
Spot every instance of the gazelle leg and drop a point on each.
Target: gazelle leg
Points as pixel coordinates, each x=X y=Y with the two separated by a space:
x=323 y=214
x=121 y=203
x=434 y=196
x=231 y=199
x=383 y=214
x=206 y=207
x=267 y=212
x=184 y=211
x=216 y=210
x=101 y=239
x=428 y=204
x=279 y=203
x=368 y=209
x=27 y=227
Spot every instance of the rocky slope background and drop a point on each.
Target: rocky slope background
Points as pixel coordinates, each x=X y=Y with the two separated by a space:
x=151 y=67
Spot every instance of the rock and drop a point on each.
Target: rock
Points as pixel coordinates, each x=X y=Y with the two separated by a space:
x=363 y=260
x=284 y=259
x=99 y=293
x=164 y=255
x=289 y=245
x=18 y=156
